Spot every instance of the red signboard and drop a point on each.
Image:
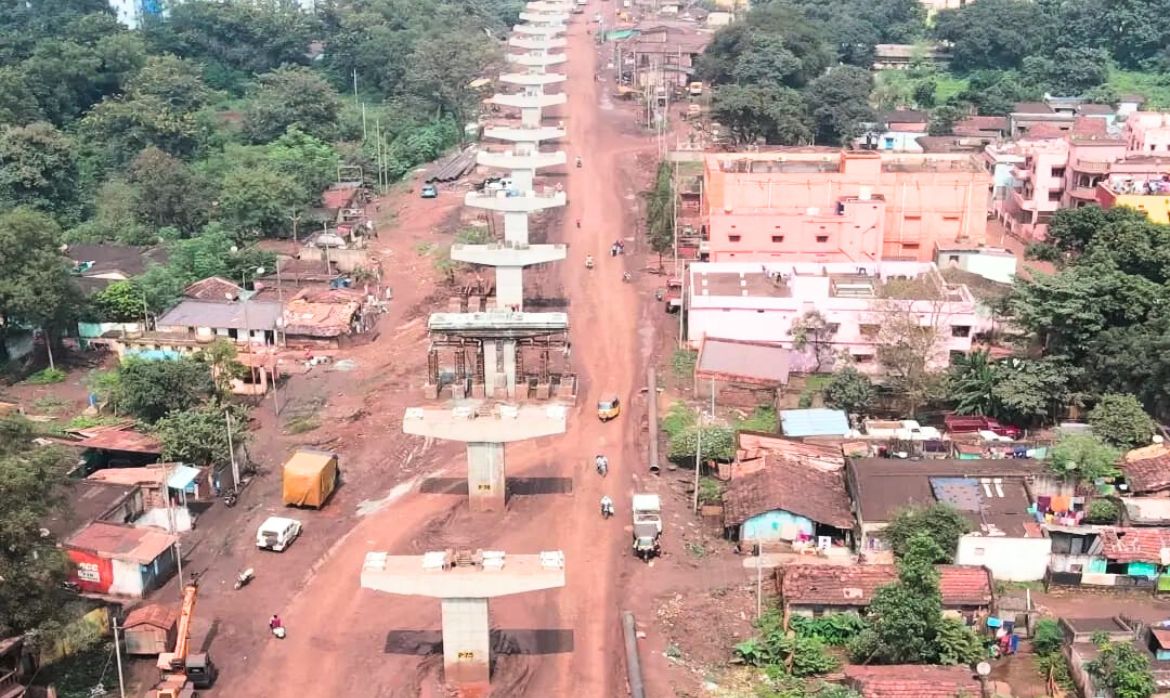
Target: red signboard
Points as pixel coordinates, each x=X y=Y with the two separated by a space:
x=91 y=573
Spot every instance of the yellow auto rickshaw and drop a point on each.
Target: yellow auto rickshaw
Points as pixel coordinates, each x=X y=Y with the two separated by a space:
x=608 y=408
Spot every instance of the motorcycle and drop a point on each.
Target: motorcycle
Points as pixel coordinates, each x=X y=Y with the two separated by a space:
x=578 y=161
x=244 y=578
x=229 y=499
x=606 y=511
x=589 y=262
x=602 y=464
x=626 y=277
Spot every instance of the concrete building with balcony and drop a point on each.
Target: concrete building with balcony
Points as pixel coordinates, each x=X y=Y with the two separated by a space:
x=760 y=302
x=1049 y=170
x=821 y=205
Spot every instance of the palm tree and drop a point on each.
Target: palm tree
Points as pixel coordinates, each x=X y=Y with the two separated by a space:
x=971 y=383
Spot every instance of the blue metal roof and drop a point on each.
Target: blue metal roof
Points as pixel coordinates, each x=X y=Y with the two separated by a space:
x=814 y=422
x=182 y=476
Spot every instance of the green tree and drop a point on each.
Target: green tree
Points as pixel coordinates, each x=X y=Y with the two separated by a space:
x=908 y=349
x=167 y=193
x=121 y=301
x=220 y=356
x=31 y=564
x=236 y=40
x=38 y=168
x=776 y=114
x=849 y=390
x=839 y=103
x=443 y=64
x=310 y=162
x=767 y=61
x=35 y=287
x=1104 y=512
x=1121 y=421
x=150 y=390
x=996 y=34
x=292 y=97
x=1047 y=637
x=257 y=201
x=796 y=654
x=660 y=204
x=811 y=331
x=200 y=435
x=971 y=384
x=1084 y=458
x=941 y=522
x=944 y=118
x=1122 y=669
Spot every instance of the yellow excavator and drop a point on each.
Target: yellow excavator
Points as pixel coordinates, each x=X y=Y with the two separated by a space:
x=183 y=671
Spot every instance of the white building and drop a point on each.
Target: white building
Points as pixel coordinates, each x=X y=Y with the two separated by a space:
x=132 y=12
x=749 y=301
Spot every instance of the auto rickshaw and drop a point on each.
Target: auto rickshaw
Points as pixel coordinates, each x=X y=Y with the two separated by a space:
x=608 y=408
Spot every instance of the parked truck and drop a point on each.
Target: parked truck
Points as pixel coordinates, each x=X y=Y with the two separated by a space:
x=647 y=510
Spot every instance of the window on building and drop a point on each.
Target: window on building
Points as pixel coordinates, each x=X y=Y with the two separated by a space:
x=863 y=358
x=869 y=330
x=909 y=245
x=832 y=327
x=822 y=238
x=953 y=259
x=777 y=238
x=734 y=238
x=1058 y=172
x=960 y=330
x=911 y=217
x=950 y=217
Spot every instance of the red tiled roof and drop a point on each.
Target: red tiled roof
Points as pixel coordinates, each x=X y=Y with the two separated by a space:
x=1085 y=126
x=792 y=486
x=977 y=125
x=213 y=288
x=832 y=585
x=1043 y=131
x=117 y=542
x=1147 y=474
x=338 y=196
x=1135 y=544
x=126 y=441
x=913 y=681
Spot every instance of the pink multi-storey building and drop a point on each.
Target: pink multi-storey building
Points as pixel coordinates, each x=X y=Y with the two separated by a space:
x=760 y=302
x=827 y=206
x=1048 y=170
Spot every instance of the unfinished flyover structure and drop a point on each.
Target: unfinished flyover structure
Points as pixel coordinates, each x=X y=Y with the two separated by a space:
x=464 y=581
x=519 y=197
x=492 y=348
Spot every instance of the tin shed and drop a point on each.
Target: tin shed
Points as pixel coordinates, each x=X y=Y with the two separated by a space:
x=150 y=629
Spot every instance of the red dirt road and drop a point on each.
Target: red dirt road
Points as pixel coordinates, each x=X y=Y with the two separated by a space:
x=344 y=641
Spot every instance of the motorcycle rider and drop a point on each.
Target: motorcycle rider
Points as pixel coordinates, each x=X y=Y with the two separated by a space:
x=588 y=261
x=602 y=465
x=606 y=506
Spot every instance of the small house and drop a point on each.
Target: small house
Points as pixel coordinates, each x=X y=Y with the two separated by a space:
x=791 y=502
x=120 y=560
x=117 y=446
x=740 y=373
x=992 y=494
x=246 y=322
x=814 y=590
x=175 y=482
x=150 y=629
x=1147 y=471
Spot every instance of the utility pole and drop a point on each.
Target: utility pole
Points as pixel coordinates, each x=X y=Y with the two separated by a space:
x=295 y=218
x=355 y=92
x=118 y=658
x=363 y=123
x=232 y=452
x=698 y=459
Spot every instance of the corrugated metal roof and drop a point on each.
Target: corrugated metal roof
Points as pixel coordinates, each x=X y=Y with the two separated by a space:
x=258 y=315
x=814 y=422
x=748 y=362
x=127 y=441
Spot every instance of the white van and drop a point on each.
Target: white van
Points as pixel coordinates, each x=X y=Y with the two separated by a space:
x=277 y=533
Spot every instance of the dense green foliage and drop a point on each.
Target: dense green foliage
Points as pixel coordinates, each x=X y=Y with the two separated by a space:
x=1085 y=458
x=1106 y=311
x=797 y=654
x=1122 y=669
x=200 y=435
x=906 y=625
x=941 y=522
x=31 y=565
x=221 y=120
x=849 y=390
x=150 y=390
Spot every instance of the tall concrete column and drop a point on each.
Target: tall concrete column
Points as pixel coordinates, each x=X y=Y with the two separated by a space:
x=466 y=641
x=486 y=488
x=491 y=367
x=464 y=581
x=510 y=368
x=485 y=431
